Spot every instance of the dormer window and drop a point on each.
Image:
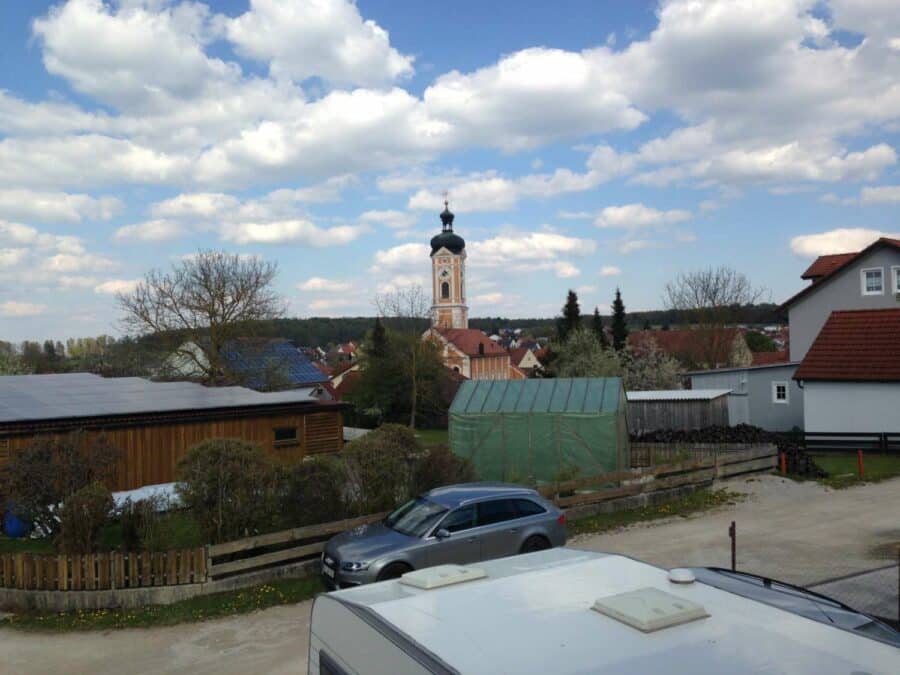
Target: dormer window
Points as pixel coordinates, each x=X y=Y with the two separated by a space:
x=872 y=281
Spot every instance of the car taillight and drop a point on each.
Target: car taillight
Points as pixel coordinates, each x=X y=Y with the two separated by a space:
x=562 y=519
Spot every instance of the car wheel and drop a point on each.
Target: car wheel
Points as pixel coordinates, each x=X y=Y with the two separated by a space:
x=393 y=571
x=535 y=543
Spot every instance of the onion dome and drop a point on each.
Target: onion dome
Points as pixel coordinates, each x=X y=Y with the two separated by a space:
x=447 y=238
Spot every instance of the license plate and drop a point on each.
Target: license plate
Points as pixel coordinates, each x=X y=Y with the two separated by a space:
x=328 y=572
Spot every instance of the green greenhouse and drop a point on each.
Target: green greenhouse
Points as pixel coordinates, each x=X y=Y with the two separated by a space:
x=541 y=430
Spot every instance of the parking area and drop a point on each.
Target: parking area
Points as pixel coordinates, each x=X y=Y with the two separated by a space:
x=799 y=532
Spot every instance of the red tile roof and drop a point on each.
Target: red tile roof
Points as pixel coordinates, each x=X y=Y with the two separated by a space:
x=769 y=358
x=855 y=345
x=835 y=269
x=468 y=339
x=826 y=264
x=516 y=355
x=690 y=345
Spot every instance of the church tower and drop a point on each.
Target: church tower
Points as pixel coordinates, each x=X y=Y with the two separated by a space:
x=448 y=276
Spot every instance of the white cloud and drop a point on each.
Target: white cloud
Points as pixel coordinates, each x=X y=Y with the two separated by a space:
x=198 y=204
x=399 y=282
x=840 y=240
x=610 y=271
x=633 y=216
x=328 y=305
x=320 y=284
x=13 y=308
x=404 y=255
x=325 y=38
x=56 y=206
x=114 y=286
x=491 y=299
x=159 y=229
x=298 y=231
x=885 y=194
x=65 y=263
x=10 y=257
x=396 y=220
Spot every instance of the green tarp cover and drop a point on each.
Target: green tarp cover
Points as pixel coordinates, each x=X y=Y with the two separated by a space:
x=540 y=430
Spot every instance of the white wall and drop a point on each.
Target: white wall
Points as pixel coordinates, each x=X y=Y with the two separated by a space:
x=851 y=406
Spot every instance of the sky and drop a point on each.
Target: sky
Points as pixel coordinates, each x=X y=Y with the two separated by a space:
x=585 y=145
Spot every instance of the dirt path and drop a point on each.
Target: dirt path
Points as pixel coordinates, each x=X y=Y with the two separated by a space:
x=797 y=531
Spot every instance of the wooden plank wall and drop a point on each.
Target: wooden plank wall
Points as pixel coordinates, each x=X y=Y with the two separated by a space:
x=647 y=416
x=151 y=451
x=102 y=571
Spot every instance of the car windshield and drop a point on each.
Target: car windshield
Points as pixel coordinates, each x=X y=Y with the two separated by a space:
x=798 y=601
x=416 y=517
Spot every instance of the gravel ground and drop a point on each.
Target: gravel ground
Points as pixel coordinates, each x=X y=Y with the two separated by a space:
x=799 y=532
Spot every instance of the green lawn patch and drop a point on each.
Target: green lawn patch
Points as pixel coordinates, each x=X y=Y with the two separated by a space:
x=203 y=608
x=843 y=471
x=428 y=437
x=701 y=500
x=26 y=545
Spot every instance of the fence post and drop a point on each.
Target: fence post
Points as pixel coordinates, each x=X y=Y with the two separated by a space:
x=782 y=462
x=732 y=532
x=860 y=464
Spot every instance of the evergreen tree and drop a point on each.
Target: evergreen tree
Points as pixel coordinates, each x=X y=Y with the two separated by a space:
x=619 y=325
x=379 y=339
x=647 y=325
x=571 y=316
x=597 y=327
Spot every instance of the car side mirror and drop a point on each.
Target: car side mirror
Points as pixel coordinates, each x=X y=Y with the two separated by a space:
x=442 y=533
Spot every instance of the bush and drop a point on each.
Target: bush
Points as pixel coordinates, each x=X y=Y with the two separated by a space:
x=82 y=516
x=231 y=487
x=377 y=469
x=314 y=492
x=50 y=470
x=441 y=467
x=143 y=523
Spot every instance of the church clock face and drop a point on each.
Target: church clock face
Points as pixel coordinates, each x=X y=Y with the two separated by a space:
x=445 y=274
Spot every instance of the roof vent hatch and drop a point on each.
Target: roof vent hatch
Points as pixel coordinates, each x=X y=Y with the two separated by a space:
x=441 y=575
x=650 y=609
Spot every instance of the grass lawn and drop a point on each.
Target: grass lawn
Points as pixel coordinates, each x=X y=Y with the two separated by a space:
x=701 y=500
x=281 y=592
x=429 y=437
x=26 y=545
x=843 y=472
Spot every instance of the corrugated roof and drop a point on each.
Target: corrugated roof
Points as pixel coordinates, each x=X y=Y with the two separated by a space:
x=75 y=395
x=562 y=395
x=855 y=345
x=677 y=395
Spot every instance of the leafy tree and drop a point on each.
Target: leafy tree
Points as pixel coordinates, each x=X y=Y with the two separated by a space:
x=314 y=492
x=571 y=316
x=619 y=323
x=50 y=470
x=231 y=487
x=582 y=355
x=208 y=299
x=597 y=327
x=441 y=467
x=378 y=339
x=650 y=368
x=760 y=342
x=378 y=470
x=10 y=362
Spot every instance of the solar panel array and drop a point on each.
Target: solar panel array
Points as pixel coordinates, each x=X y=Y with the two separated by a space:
x=73 y=395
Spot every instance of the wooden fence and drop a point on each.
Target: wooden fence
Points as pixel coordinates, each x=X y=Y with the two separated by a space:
x=101 y=571
x=245 y=555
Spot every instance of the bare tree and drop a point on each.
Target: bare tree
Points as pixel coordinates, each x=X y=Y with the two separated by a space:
x=407 y=312
x=709 y=299
x=207 y=299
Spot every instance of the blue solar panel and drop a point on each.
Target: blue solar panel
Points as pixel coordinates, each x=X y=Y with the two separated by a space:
x=271 y=364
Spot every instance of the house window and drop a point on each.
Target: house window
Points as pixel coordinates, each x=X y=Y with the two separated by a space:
x=896 y=274
x=780 y=392
x=286 y=436
x=873 y=281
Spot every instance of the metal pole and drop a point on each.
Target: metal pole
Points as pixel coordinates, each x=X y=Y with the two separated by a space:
x=732 y=532
x=860 y=465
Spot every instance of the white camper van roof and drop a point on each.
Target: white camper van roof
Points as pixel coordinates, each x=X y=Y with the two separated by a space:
x=535 y=613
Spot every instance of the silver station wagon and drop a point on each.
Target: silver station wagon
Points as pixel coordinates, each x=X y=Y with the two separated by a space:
x=453 y=524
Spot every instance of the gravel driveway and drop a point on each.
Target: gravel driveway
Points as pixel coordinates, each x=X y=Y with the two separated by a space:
x=800 y=532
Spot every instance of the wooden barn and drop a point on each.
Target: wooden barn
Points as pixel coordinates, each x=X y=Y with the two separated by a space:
x=154 y=423
x=676 y=409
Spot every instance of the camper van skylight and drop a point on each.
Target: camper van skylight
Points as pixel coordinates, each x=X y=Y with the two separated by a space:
x=441 y=575
x=650 y=609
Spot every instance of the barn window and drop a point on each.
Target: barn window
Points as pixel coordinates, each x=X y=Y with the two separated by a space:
x=780 y=392
x=445 y=290
x=286 y=436
x=4 y=449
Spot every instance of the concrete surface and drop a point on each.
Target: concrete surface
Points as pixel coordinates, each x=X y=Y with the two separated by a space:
x=800 y=532
x=872 y=592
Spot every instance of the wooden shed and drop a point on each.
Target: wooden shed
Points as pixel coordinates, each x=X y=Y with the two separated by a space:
x=153 y=424
x=676 y=409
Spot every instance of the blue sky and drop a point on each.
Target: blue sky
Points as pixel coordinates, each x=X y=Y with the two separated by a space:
x=584 y=145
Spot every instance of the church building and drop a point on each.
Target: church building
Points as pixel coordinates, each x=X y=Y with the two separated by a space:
x=467 y=351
